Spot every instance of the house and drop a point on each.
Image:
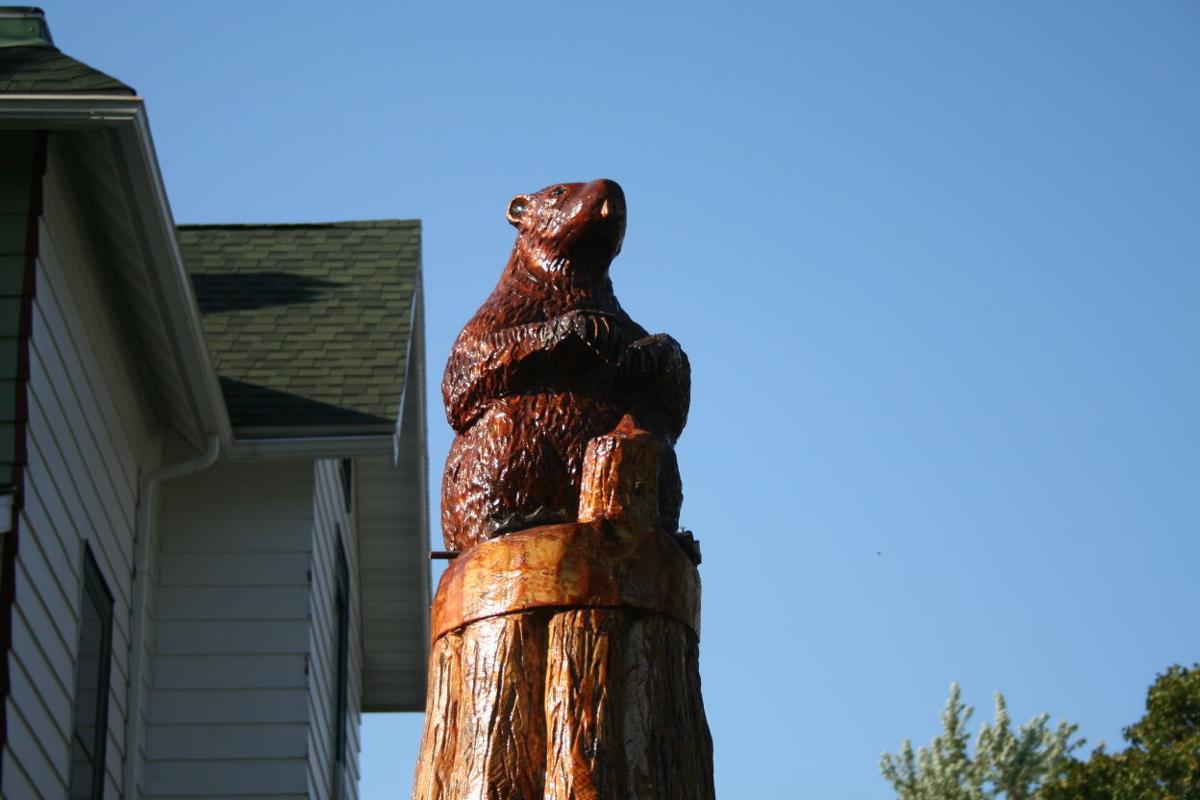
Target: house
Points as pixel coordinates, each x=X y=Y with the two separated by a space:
x=212 y=468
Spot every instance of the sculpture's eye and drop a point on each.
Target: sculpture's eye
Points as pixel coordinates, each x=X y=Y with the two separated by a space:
x=559 y=191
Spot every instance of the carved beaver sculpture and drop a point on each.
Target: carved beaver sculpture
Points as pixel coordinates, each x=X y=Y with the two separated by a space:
x=547 y=363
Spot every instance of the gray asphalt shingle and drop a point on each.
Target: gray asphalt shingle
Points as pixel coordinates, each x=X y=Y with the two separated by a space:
x=308 y=325
x=46 y=70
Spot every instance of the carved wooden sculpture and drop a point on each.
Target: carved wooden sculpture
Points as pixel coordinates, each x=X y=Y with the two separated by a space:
x=565 y=633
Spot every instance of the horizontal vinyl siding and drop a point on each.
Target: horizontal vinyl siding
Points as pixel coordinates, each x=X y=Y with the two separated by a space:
x=87 y=433
x=189 y=742
x=330 y=514
x=27 y=748
x=222 y=778
x=194 y=603
x=230 y=672
x=215 y=636
x=393 y=576
x=228 y=712
x=227 y=706
x=234 y=569
x=17 y=780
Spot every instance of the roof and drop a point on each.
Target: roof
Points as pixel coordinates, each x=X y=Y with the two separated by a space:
x=40 y=69
x=308 y=325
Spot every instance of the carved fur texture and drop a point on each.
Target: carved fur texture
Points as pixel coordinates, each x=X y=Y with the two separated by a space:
x=550 y=361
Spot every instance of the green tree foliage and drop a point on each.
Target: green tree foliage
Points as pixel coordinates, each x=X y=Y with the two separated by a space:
x=1162 y=761
x=1006 y=764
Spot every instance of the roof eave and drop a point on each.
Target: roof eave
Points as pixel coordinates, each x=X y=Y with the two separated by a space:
x=125 y=116
x=302 y=446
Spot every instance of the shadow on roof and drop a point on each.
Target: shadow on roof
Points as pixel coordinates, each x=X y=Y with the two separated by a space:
x=238 y=291
x=254 y=406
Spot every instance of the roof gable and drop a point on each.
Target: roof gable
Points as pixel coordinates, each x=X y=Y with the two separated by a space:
x=308 y=325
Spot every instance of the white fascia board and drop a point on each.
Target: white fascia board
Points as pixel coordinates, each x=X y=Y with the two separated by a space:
x=126 y=117
x=63 y=111
x=414 y=345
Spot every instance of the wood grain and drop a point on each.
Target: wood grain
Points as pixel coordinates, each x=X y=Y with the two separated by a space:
x=566 y=665
x=485 y=731
x=596 y=564
x=581 y=704
x=585 y=757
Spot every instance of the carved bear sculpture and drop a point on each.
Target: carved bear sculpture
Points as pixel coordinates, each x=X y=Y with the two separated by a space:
x=547 y=363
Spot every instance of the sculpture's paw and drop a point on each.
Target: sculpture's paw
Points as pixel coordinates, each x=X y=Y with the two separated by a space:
x=510 y=522
x=652 y=357
x=598 y=330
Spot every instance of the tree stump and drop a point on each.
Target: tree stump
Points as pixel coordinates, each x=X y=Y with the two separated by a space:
x=565 y=658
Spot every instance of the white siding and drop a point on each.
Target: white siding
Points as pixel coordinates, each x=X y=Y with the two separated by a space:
x=229 y=708
x=89 y=438
x=330 y=516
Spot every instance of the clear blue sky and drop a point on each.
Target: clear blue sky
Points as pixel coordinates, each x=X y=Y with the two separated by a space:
x=936 y=265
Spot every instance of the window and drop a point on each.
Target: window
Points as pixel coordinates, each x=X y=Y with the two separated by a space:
x=341 y=665
x=91 y=684
x=346 y=468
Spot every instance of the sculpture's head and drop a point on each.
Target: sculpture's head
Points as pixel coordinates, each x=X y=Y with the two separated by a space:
x=578 y=222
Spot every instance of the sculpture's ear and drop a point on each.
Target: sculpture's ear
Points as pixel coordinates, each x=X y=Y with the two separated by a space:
x=516 y=208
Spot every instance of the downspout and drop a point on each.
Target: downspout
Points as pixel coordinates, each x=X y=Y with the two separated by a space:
x=148 y=491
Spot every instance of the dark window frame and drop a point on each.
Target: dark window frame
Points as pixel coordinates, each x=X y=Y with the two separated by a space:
x=341 y=664
x=94 y=591
x=346 y=472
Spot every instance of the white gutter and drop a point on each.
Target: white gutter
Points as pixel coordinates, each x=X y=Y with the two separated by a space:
x=310 y=447
x=52 y=111
x=147 y=492
x=157 y=226
x=125 y=116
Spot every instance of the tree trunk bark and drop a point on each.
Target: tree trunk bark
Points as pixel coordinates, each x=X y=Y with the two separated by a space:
x=623 y=708
x=586 y=688
x=485 y=731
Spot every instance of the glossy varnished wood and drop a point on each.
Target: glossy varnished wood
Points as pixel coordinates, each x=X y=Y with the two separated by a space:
x=565 y=653
x=594 y=564
x=549 y=362
x=485 y=731
x=623 y=709
x=566 y=704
